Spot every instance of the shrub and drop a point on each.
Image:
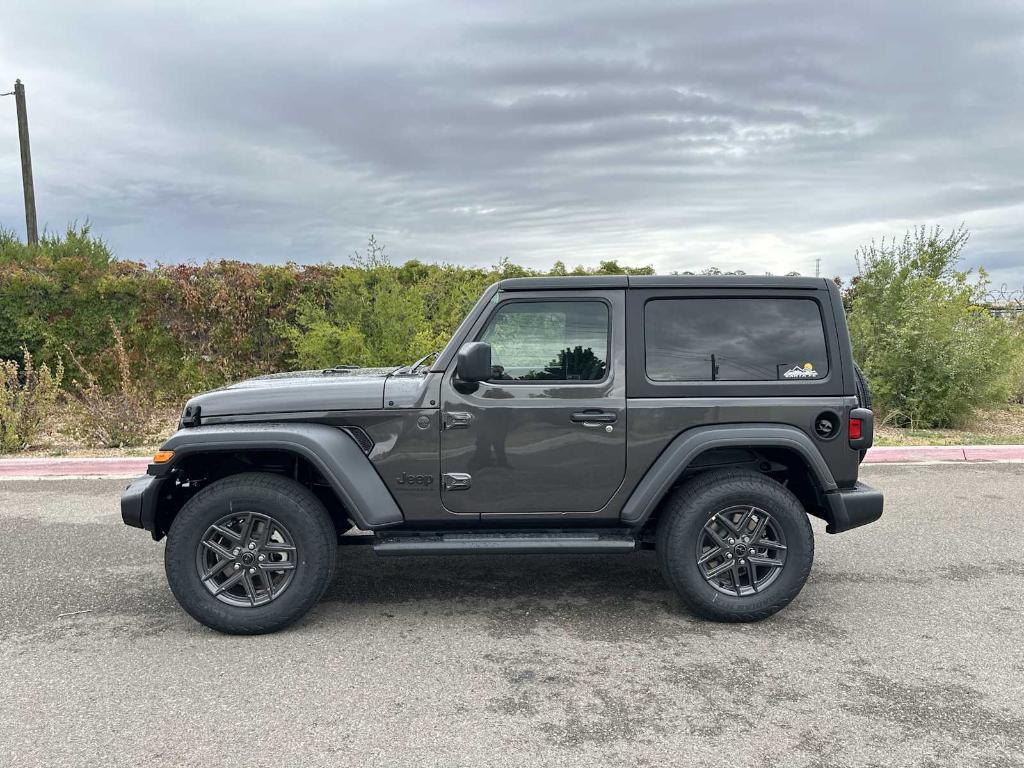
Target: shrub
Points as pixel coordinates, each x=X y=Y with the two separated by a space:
x=1016 y=365
x=27 y=396
x=111 y=420
x=931 y=353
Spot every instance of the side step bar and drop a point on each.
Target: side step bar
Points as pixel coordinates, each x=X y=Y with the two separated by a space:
x=499 y=542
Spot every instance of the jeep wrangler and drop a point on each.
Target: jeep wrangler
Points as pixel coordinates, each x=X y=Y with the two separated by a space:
x=703 y=417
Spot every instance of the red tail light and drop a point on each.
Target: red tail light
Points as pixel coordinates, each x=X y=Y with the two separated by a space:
x=855 y=429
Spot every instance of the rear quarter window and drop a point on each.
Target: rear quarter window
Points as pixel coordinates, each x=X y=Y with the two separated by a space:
x=734 y=339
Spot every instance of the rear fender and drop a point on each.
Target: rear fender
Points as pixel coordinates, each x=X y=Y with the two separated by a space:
x=681 y=453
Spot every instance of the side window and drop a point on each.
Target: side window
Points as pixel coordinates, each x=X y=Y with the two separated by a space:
x=734 y=339
x=549 y=341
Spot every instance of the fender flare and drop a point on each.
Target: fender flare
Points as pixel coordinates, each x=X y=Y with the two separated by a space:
x=334 y=453
x=681 y=452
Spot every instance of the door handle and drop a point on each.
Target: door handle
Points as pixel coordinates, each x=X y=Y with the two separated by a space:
x=593 y=418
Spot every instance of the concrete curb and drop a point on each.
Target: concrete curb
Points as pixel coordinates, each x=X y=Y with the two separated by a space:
x=130 y=466
x=45 y=467
x=929 y=453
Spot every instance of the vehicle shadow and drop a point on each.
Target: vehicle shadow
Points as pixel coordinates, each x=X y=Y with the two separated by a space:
x=362 y=577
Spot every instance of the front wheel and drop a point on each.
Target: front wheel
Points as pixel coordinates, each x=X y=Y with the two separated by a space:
x=250 y=554
x=735 y=545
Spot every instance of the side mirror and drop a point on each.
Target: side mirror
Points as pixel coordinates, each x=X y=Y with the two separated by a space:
x=474 y=362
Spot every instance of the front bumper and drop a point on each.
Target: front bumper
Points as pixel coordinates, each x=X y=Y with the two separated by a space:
x=138 y=502
x=853 y=507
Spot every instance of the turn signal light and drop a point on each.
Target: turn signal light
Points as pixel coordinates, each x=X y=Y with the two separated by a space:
x=855 y=429
x=162 y=457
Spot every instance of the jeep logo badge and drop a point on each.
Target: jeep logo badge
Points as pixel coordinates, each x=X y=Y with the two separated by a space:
x=422 y=480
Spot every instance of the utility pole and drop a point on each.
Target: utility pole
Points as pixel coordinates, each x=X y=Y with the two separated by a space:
x=817 y=267
x=31 y=225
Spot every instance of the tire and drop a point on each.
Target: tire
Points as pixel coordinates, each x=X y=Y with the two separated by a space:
x=728 y=494
x=863 y=396
x=299 y=537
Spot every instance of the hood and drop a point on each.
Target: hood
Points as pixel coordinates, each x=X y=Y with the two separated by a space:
x=345 y=389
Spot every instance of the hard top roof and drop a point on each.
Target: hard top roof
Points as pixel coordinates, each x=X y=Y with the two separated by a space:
x=659 y=281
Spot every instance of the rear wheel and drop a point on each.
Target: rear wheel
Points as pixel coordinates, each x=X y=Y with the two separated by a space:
x=735 y=546
x=251 y=553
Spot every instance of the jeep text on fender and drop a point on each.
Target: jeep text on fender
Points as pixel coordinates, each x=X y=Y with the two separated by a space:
x=704 y=417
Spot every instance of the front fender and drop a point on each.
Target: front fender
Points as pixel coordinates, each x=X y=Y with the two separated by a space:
x=334 y=453
x=681 y=452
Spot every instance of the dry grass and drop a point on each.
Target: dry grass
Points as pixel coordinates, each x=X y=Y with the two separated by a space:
x=1004 y=426
x=59 y=438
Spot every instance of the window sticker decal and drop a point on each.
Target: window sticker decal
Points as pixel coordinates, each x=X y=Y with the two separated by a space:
x=806 y=371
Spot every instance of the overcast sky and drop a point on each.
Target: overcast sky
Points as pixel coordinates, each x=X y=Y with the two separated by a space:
x=746 y=135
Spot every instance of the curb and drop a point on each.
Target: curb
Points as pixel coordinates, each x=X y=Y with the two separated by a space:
x=43 y=468
x=932 y=453
x=131 y=466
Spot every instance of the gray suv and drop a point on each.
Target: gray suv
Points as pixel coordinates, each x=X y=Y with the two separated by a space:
x=703 y=417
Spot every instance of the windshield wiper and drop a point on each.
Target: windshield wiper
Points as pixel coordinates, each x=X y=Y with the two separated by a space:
x=341 y=369
x=413 y=367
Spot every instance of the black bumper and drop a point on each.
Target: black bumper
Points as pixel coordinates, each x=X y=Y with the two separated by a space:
x=138 y=502
x=853 y=507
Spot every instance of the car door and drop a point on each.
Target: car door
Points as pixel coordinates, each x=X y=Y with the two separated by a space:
x=547 y=433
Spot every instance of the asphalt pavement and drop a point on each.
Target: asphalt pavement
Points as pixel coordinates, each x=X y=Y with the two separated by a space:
x=906 y=647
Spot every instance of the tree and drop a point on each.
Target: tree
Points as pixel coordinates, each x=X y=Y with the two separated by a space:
x=931 y=353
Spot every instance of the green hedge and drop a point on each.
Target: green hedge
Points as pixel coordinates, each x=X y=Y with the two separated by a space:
x=931 y=352
x=191 y=327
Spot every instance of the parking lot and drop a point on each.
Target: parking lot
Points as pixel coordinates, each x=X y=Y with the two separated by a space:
x=905 y=648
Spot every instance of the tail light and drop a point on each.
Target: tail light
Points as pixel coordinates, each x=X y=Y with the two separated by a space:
x=856 y=426
x=861 y=428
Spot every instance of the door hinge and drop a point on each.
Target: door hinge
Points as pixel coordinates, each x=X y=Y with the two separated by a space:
x=457 y=420
x=457 y=481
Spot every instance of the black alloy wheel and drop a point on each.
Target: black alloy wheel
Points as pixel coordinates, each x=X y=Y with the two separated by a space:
x=246 y=559
x=741 y=550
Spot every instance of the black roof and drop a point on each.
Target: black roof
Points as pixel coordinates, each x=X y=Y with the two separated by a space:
x=659 y=281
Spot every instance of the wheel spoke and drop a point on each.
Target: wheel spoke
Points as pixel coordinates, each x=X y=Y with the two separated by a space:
x=772 y=545
x=226 y=532
x=716 y=538
x=711 y=554
x=250 y=588
x=220 y=566
x=230 y=582
x=221 y=552
x=268 y=531
x=762 y=521
x=718 y=570
x=247 y=527
x=268 y=583
x=724 y=519
x=276 y=546
x=752 y=574
x=768 y=562
x=735 y=573
x=745 y=520
x=283 y=565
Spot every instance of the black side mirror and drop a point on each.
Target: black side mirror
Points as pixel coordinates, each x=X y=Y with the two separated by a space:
x=474 y=362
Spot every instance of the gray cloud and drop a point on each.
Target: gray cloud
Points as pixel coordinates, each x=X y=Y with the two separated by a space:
x=748 y=135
